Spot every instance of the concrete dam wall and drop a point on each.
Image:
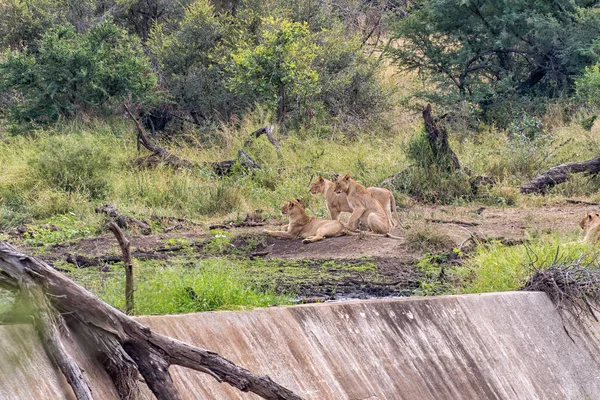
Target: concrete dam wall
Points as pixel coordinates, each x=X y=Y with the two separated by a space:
x=512 y=345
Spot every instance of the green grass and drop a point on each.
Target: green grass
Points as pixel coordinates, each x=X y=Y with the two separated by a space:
x=496 y=268
x=181 y=286
x=185 y=284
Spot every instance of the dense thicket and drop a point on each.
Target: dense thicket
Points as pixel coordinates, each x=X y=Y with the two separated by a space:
x=502 y=56
x=209 y=61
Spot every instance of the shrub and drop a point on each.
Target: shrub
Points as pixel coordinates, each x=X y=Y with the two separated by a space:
x=73 y=166
x=430 y=178
x=75 y=72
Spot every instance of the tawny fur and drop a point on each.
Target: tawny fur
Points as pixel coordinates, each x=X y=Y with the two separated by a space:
x=591 y=226
x=303 y=226
x=365 y=208
x=338 y=202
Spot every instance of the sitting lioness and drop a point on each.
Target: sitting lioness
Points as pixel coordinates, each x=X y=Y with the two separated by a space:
x=304 y=226
x=365 y=208
x=591 y=225
x=338 y=202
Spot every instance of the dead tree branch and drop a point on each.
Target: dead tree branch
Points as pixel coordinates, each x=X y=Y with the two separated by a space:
x=560 y=174
x=128 y=264
x=122 y=220
x=268 y=131
x=159 y=155
x=226 y=167
x=123 y=345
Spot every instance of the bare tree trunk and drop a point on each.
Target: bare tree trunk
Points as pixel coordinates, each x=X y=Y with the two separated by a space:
x=268 y=131
x=560 y=174
x=128 y=264
x=123 y=345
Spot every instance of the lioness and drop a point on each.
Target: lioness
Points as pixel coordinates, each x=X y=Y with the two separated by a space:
x=338 y=203
x=591 y=225
x=304 y=226
x=365 y=208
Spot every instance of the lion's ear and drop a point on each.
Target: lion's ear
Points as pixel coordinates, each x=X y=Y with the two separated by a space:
x=346 y=177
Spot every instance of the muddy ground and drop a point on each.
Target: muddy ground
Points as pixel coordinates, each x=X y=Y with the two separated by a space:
x=427 y=229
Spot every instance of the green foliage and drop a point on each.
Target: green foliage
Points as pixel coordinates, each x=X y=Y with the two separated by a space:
x=75 y=72
x=495 y=267
x=587 y=86
x=432 y=178
x=219 y=243
x=178 y=287
x=501 y=55
x=72 y=165
x=278 y=70
x=57 y=229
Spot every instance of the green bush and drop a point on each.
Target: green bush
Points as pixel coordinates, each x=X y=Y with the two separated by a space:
x=73 y=166
x=505 y=56
x=432 y=178
x=74 y=72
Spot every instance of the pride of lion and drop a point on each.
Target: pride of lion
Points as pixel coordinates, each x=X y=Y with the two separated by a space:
x=373 y=208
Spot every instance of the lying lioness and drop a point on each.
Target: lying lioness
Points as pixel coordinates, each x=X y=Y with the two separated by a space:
x=304 y=226
x=338 y=202
x=591 y=226
x=365 y=208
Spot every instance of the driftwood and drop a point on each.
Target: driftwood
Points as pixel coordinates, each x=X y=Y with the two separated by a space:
x=125 y=347
x=560 y=174
x=159 y=155
x=123 y=221
x=128 y=264
x=585 y=203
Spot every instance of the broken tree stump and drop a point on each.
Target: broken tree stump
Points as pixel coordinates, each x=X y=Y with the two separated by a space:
x=125 y=347
x=443 y=155
x=560 y=174
x=127 y=263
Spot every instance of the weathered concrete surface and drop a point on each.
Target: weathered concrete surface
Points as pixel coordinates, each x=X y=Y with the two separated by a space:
x=491 y=346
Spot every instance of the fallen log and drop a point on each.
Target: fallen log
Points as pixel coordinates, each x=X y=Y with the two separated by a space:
x=122 y=220
x=226 y=167
x=125 y=347
x=560 y=174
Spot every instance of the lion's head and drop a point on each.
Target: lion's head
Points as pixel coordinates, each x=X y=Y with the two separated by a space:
x=318 y=186
x=586 y=222
x=290 y=207
x=342 y=184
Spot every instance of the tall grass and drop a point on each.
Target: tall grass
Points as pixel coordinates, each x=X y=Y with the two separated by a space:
x=496 y=268
x=181 y=287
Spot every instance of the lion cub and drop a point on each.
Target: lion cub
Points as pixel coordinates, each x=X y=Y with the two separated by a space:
x=365 y=208
x=304 y=226
x=591 y=225
x=338 y=203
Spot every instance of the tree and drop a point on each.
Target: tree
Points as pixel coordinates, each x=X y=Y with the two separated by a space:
x=124 y=347
x=497 y=53
x=75 y=72
x=279 y=69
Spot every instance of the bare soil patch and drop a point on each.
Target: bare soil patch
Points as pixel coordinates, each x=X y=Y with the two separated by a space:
x=394 y=259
